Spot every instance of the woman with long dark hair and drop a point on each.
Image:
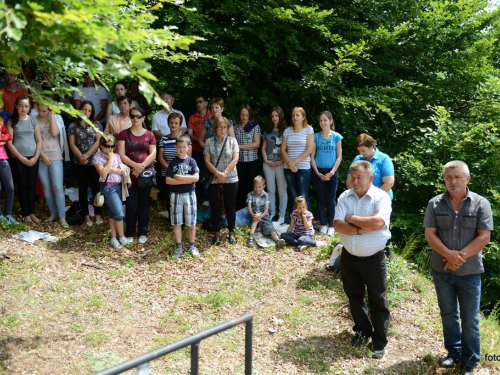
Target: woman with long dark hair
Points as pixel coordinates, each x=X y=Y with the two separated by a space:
x=84 y=142
x=25 y=147
x=137 y=149
x=273 y=163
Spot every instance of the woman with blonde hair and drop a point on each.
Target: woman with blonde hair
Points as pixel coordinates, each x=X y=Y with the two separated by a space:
x=296 y=150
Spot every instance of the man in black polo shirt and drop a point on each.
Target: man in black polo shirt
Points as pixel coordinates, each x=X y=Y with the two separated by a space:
x=457 y=226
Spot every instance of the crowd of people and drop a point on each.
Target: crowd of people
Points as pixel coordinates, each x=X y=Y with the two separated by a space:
x=216 y=160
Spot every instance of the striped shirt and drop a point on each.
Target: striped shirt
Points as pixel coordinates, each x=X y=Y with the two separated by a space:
x=167 y=146
x=296 y=144
x=375 y=201
x=299 y=229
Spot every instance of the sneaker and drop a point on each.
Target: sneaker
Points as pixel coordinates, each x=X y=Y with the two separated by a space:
x=194 y=251
x=301 y=248
x=11 y=219
x=448 y=361
x=281 y=220
x=466 y=370
x=320 y=243
x=323 y=229
x=63 y=223
x=280 y=244
x=115 y=244
x=251 y=240
x=126 y=241
x=52 y=218
x=330 y=231
x=4 y=220
x=275 y=217
x=205 y=204
x=177 y=253
x=143 y=239
x=378 y=354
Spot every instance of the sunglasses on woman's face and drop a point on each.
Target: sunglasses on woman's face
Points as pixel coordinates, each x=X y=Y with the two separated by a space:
x=108 y=146
x=138 y=117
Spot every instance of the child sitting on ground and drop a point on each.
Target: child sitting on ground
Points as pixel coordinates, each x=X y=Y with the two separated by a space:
x=300 y=232
x=182 y=175
x=258 y=207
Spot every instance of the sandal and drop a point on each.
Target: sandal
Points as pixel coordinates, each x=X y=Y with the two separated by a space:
x=232 y=239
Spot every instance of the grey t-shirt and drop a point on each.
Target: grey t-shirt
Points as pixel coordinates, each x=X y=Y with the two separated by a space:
x=457 y=230
x=273 y=145
x=24 y=136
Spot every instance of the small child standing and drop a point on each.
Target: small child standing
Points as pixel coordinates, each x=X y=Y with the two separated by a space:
x=258 y=208
x=300 y=232
x=181 y=175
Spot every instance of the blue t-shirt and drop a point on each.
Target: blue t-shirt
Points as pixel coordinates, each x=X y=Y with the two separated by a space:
x=5 y=116
x=326 y=150
x=382 y=167
x=183 y=167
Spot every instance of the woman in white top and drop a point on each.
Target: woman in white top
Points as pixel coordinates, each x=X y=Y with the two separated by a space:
x=51 y=169
x=121 y=89
x=296 y=150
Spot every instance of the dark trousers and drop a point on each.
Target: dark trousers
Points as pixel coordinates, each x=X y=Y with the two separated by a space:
x=86 y=175
x=223 y=194
x=198 y=156
x=358 y=273
x=26 y=181
x=247 y=171
x=137 y=210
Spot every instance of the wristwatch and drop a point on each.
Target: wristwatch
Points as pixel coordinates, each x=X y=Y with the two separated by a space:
x=357 y=232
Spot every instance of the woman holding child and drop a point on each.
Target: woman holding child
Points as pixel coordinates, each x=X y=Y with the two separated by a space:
x=224 y=185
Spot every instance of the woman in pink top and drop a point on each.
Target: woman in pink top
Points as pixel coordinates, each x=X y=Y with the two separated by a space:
x=6 y=181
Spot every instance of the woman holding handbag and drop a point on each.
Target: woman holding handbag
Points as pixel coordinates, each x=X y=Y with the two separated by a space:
x=221 y=156
x=137 y=149
x=107 y=164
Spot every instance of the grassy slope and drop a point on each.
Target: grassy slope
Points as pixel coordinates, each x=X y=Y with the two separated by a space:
x=58 y=316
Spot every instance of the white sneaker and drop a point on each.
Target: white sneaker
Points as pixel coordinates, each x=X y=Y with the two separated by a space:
x=126 y=241
x=281 y=220
x=115 y=244
x=320 y=243
x=206 y=204
x=330 y=231
x=323 y=229
x=143 y=239
x=164 y=214
x=301 y=248
x=194 y=252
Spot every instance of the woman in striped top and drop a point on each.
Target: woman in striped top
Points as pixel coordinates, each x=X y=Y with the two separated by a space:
x=296 y=150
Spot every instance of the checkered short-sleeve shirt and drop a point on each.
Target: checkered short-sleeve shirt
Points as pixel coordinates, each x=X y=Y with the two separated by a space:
x=244 y=138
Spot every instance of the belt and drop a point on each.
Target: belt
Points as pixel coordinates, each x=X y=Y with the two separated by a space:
x=111 y=184
x=367 y=257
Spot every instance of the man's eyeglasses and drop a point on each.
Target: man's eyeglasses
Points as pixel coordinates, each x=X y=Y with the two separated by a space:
x=200 y=101
x=108 y=146
x=138 y=117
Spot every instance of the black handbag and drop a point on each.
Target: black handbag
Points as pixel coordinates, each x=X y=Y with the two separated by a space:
x=207 y=179
x=147 y=178
x=74 y=215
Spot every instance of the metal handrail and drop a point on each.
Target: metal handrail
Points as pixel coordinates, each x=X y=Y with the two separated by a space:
x=141 y=364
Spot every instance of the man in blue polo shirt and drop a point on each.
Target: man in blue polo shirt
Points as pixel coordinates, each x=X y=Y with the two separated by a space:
x=457 y=226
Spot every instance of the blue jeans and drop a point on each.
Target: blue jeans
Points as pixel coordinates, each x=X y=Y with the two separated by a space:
x=296 y=240
x=7 y=183
x=52 y=179
x=113 y=198
x=326 y=192
x=466 y=290
x=298 y=184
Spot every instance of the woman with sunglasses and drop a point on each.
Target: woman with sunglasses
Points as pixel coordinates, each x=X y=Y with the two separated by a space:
x=137 y=149
x=107 y=164
x=84 y=142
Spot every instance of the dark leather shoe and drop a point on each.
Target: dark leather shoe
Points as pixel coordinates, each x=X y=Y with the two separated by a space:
x=232 y=239
x=216 y=239
x=359 y=340
x=448 y=361
x=467 y=370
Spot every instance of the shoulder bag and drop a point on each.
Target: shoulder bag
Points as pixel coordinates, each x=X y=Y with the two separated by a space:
x=207 y=180
x=147 y=177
